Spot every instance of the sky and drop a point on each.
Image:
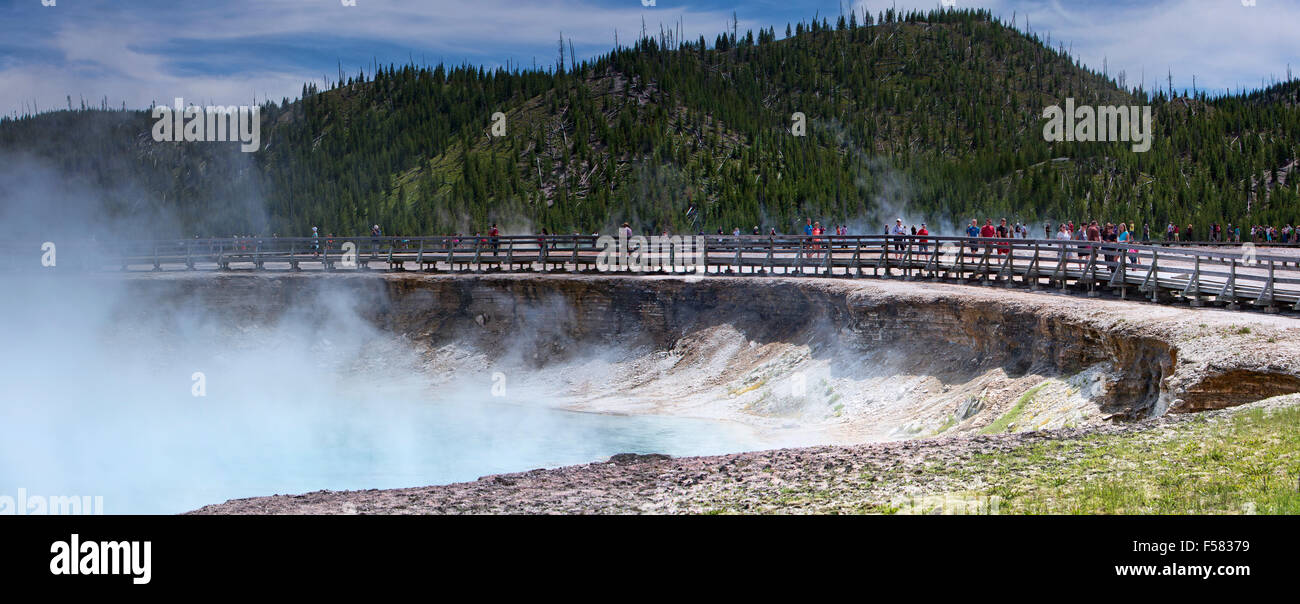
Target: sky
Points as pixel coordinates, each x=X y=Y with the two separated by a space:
x=137 y=52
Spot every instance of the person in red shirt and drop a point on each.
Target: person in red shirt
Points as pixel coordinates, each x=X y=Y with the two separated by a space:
x=925 y=243
x=1094 y=234
x=987 y=231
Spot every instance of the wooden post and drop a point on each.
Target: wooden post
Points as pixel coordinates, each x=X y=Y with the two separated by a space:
x=1120 y=274
x=1031 y=275
x=830 y=268
x=1153 y=277
x=1229 y=290
x=907 y=260
x=1193 y=287
x=1266 y=295
x=1090 y=272
x=961 y=261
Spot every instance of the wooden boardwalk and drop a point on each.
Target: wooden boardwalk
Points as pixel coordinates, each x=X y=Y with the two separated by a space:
x=1233 y=276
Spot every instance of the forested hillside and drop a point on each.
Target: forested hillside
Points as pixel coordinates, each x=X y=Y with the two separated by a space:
x=937 y=116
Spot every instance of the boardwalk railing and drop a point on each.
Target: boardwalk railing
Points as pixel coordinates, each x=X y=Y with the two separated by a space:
x=1267 y=278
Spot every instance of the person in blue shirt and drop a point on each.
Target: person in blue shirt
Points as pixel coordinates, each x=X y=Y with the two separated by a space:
x=808 y=228
x=1125 y=237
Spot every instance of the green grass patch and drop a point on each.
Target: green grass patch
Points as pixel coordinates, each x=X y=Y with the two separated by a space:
x=947 y=424
x=1000 y=424
x=1247 y=464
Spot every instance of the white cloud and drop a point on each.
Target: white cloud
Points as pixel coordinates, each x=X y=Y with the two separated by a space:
x=108 y=48
x=1221 y=42
x=98 y=51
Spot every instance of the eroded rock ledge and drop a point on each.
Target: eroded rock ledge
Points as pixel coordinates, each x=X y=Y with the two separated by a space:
x=1159 y=358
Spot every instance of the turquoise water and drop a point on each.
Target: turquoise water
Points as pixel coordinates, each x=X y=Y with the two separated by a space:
x=97 y=403
x=167 y=456
x=98 y=398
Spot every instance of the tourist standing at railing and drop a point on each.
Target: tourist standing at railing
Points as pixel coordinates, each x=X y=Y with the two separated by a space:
x=899 y=232
x=1094 y=234
x=1146 y=232
x=808 y=228
x=1110 y=235
x=1080 y=233
x=1125 y=237
x=973 y=231
x=1047 y=230
x=988 y=231
x=1004 y=232
x=924 y=233
x=1063 y=234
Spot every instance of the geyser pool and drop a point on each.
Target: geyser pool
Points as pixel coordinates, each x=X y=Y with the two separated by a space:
x=369 y=380
x=167 y=455
x=100 y=400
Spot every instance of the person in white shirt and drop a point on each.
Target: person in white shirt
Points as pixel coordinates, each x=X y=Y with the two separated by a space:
x=899 y=230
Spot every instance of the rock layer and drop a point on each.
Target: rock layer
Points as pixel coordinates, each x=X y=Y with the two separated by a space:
x=1158 y=359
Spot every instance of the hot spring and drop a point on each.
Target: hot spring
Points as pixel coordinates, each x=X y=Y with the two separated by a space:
x=166 y=392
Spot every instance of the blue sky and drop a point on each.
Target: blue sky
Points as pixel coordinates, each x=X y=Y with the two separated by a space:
x=234 y=51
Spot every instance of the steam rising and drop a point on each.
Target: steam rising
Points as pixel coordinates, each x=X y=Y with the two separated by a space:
x=99 y=400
